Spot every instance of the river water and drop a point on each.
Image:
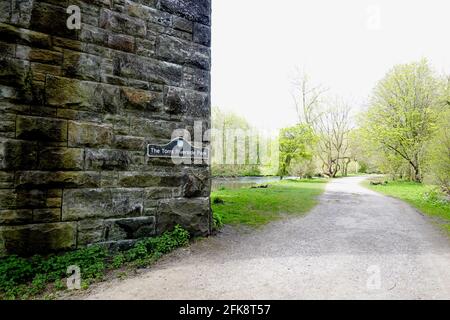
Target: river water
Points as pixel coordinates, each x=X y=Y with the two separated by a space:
x=242 y=182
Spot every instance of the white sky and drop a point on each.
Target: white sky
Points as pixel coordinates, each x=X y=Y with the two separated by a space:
x=257 y=44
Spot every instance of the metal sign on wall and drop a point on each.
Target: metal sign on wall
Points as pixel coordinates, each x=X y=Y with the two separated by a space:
x=177 y=148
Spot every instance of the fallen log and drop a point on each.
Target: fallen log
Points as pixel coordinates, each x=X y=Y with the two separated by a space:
x=265 y=186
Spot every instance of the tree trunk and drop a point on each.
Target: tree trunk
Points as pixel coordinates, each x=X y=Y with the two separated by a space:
x=417 y=177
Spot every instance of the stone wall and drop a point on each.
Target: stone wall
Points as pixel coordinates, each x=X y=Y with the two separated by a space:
x=77 y=109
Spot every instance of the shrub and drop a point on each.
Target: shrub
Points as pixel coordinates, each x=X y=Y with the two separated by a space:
x=217 y=221
x=218 y=200
x=435 y=197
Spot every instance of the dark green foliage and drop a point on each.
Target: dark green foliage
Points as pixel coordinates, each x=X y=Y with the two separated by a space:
x=217 y=221
x=16 y=272
x=218 y=200
x=22 y=278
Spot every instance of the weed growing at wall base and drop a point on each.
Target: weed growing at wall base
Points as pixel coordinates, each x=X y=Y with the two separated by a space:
x=22 y=278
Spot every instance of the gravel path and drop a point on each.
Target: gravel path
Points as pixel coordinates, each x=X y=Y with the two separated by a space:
x=356 y=244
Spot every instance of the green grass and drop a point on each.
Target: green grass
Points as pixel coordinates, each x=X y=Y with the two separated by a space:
x=257 y=207
x=426 y=198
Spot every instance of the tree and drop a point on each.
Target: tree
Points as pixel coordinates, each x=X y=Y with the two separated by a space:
x=307 y=98
x=439 y=153
x=402 y=114
x=230 y=140
x=333 y=128
x=294 y=145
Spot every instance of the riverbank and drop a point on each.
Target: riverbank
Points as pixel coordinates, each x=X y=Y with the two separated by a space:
x=421 y=196
x=219 y=183
x=258 y=206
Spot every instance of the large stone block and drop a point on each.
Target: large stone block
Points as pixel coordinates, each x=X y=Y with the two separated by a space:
x=148 y=14
x=146 y=48
x=31 y=198
x=183 y=52
x=90 y=134
x=44 y=56
x=90 y=34
x=8 y=49
x=196 y=184
x=38 y=238
x=129 y=143
x=183 y=24
x=90 y=231
x=18 y=154
x=56 y=179
x=191 y=214
x=129 y=229
x=16 y=217
x=115 y=230
x=21 y=12
x=139 y=179
x=187 y=102
x=69 y=92
x=196 y=79
x=122 y=23
x=195 y=10
x=47 y=215
x=157 y=193
x=8 y=199
x=38 y=128
x=82 y=95
x=14 y=72
x=81 y=204
x=155 y=130
x=40 y=70
x=6 y=179
x=141 y=100
x=51 y=158
x=121 y=42
x=108 y=159
x=120 y=123
x=202 y=34
x=51 y=19
x=5 y=10
x=135 y=67
x=13 y=34
x=82 y=66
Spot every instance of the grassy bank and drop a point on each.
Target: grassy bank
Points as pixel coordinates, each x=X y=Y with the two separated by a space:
x=423 y=197
x=256 y=207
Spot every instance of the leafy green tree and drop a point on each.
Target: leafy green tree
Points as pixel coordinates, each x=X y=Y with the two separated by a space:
x=295 y=144
x=403 y=112
x=225 y=123
x=439 y=153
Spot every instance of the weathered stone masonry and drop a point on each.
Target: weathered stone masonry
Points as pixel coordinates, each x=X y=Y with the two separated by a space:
x=77 y=108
